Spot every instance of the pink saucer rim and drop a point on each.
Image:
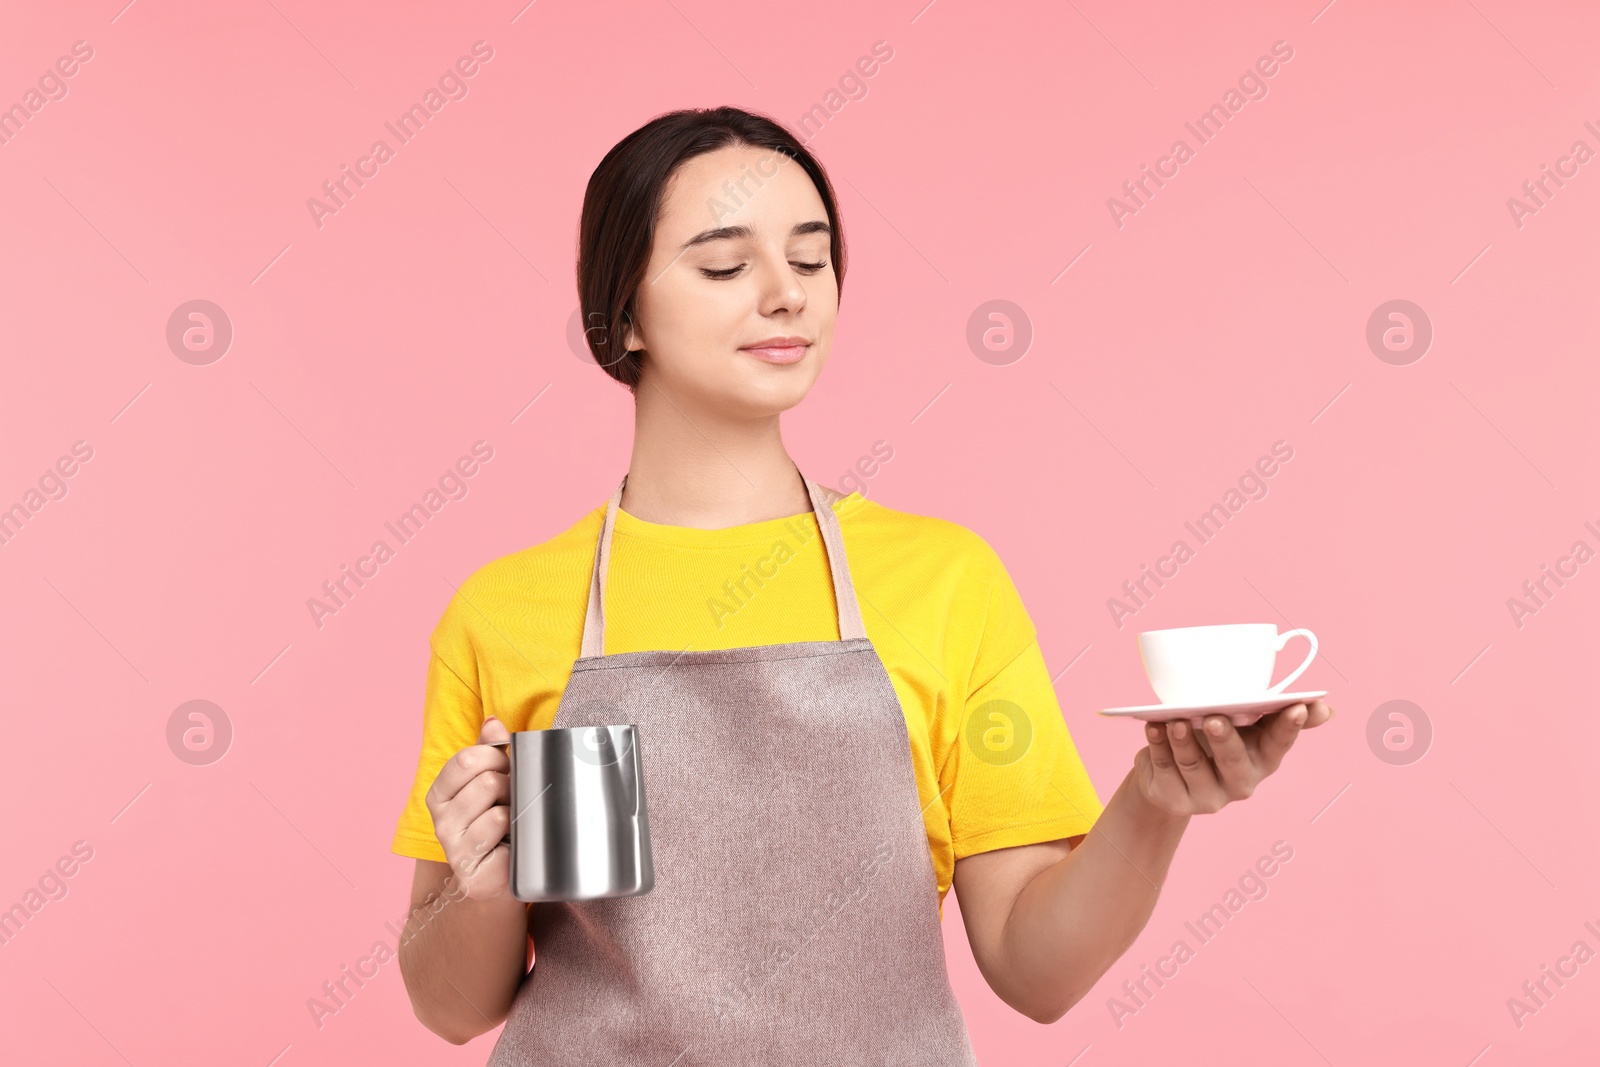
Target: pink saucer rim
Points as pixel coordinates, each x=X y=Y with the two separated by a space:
x=1201 y=710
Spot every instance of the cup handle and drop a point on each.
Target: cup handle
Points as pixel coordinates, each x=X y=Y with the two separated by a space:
x=1283 y=639
x=505 y=746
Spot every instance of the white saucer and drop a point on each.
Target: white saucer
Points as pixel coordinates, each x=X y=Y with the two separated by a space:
x=1239 y=712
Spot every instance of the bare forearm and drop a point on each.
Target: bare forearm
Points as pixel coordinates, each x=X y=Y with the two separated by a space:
x=1076 y=918
x=463 y=960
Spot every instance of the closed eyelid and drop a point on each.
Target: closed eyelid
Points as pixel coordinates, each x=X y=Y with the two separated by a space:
x=819 y=264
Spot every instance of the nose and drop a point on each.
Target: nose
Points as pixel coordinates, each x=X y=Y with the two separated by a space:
x=780 y=286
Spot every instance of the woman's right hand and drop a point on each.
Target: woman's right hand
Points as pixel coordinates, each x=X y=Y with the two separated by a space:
x=470 y=803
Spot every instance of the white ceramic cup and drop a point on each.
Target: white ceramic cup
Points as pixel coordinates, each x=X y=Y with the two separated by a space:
x=1193 y=665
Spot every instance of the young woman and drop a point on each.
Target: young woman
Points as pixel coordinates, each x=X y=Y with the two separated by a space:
x=842 y=708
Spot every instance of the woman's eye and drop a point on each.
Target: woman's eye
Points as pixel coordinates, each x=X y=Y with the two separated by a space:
x=728 y=272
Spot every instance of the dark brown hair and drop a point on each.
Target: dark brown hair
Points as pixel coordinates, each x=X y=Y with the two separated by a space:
x=623 y=201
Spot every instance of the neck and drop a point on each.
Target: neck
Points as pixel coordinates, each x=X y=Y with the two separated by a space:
x=701 y=469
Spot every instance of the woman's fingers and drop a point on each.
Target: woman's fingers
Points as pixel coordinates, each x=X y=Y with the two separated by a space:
x=1160 y=750
x=1165 y=785
x=494 y=732
x=480 y=771
x=1195 y=767
x=462 y=768
x=486 y=834
x=1281 y=729
x=1320 y=712
x=468 y=801
x=1235 y=769
x=1206 y=770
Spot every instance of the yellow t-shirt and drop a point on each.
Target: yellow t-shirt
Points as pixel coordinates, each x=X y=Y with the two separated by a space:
x=938 y=605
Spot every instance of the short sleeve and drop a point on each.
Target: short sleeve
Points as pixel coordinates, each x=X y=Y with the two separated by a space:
x=452 y=717
x=1017 y=778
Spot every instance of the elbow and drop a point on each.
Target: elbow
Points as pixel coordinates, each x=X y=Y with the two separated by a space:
x=1047 y=1005
x=1047 y=1011
x=1044 y=1017
x=453 y=1038
x=446 y=1028
x=441 y=1027
x=1043 y=997
x=456 y=1028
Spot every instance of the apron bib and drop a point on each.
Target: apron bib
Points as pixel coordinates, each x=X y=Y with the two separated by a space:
x=794 y=917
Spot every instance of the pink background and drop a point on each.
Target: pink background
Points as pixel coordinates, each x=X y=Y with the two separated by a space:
x=1228 y=313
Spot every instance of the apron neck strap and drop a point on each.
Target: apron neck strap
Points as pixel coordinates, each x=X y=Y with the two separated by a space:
x=844 y=591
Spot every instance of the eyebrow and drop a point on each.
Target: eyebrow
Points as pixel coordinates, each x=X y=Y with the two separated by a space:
x=730 y=233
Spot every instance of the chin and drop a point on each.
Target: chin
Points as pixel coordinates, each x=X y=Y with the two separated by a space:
x=773 y=396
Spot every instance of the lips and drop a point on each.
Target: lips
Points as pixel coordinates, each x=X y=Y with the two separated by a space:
x=779 y=349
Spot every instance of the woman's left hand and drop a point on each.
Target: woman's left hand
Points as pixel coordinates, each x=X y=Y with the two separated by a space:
x=1176 y=774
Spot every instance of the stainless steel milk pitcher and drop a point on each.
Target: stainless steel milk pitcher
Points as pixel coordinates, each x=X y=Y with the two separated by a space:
x=578 y=825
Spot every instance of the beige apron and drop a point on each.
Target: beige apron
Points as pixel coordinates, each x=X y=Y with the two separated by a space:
x=794 y=918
